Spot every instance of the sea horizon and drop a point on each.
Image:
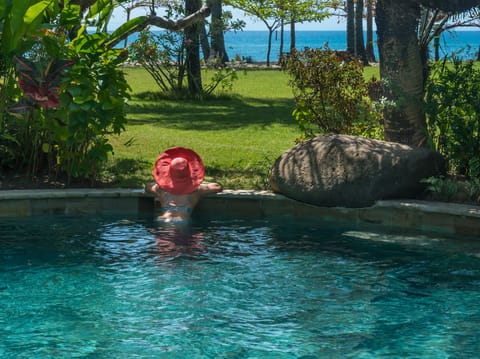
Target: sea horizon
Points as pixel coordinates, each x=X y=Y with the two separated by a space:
x=251 y=45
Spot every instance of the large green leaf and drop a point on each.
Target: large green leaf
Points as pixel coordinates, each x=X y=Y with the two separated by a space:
x=13 y=22
x=98 y=7
x=102 y=11
x=34 y=14
x=22 y=18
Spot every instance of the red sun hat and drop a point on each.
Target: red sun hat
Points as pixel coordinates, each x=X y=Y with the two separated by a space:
x=179 y=170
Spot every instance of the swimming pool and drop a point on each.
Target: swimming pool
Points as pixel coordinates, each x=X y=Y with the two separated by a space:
x=127 y=287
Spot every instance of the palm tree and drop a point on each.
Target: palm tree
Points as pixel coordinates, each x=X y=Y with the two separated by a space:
x=401 y=65
x=359 y=41
x=217 y=28
x=355 y=41
x=370 y=53
x=192 y=60
x=350 y=9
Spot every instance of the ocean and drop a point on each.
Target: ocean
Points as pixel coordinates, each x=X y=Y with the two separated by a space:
x=252 y=45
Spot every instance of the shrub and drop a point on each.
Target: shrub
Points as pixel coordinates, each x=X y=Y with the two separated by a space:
x=331 y=95
x=453 y=114
x=163 y=56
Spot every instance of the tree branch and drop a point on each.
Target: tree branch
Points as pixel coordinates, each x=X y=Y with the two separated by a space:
x=176 y=25
x=165 y=23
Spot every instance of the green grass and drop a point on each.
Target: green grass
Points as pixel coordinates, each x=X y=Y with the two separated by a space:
x=238 y=136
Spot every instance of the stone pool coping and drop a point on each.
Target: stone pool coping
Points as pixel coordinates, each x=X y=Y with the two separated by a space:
x=448 y=218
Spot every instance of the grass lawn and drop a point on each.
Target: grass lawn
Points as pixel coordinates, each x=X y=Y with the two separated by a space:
x=238 y=136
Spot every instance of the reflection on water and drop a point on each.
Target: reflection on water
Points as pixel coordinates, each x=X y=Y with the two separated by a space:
x=174 y=240
x=147 y=240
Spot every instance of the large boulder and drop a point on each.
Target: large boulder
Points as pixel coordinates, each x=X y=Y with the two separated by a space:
x=349 y=171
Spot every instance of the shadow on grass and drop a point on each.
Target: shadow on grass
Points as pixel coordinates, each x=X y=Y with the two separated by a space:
x=130 y=173
x=135 y=173
x=222 y=113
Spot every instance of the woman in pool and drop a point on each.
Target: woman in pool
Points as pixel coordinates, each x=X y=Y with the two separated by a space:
x=178 y=174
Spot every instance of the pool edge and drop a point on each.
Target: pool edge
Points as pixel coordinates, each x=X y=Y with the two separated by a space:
x=449 y=218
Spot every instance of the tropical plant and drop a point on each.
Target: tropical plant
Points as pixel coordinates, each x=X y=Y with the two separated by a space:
x=21 y=23
x=70 y=93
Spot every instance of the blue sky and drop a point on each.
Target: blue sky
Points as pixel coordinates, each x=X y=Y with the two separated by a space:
x=332 y=23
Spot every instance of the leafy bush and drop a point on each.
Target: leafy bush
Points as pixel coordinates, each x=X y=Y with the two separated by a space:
x=331 y=94
x=93 y=106
x=453 y=114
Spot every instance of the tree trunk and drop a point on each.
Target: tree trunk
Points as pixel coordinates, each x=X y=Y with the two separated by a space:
x=293 y=41
x=401 y=64
x=369 y=45
x=282 y=38
x=401 y=68
x=269 y=48
x=204 y=42
x=218 y=40
x=436 y=47
x=194 y=71
x=351 y=27
x=359 y=42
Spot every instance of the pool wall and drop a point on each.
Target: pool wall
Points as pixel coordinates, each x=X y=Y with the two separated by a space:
x=448 y=218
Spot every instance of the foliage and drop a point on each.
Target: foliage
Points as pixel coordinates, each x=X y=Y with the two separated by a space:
x=331 y=94
x=17 y=20
x=452 y=189
x=445 y=188
x=453 y=113
x=163 y=56
x=70 y=92
x=93 y=105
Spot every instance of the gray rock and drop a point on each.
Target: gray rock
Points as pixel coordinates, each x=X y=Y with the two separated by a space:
x=349 y=171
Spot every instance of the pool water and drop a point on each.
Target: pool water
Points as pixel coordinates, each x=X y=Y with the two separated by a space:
x=109 y=287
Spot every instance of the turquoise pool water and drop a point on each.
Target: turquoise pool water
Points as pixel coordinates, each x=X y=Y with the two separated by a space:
x=83 y=287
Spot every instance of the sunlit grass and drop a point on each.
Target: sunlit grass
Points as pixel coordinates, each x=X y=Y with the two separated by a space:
x=239 y=136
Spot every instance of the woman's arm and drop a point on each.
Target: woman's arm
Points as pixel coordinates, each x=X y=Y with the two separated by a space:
x=206 y=188
x=154 y=189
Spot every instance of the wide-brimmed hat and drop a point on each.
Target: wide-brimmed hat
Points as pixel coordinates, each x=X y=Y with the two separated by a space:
x=179 y=170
